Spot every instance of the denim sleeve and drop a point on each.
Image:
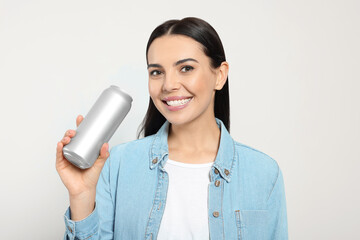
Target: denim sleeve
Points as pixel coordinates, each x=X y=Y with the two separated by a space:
x=99 y=224
x=83 y=229
x=277 y=209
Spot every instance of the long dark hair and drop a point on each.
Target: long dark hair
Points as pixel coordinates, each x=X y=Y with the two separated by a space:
x=204 y=33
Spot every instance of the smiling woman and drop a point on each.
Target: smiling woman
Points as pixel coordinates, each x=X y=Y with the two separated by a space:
x=193 y=47
x=186 y=178
x=183 y=90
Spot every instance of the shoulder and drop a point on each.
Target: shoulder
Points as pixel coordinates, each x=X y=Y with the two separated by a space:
x=133 y=145
x=134 y=150
x=255 y=156
x=256 y=165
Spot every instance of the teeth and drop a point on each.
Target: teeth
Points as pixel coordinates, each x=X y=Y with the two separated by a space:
x=178 y=102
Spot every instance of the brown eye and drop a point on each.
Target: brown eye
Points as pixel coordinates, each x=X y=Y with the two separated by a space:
x=155 y=73
x=187 y=68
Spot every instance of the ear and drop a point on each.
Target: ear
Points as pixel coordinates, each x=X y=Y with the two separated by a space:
x=222 y=74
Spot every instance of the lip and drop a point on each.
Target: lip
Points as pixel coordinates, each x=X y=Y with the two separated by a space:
x=176 y=108
x=175 y=98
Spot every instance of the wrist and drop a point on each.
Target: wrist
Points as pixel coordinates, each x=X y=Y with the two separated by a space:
x=82 y=205
x=82 y=195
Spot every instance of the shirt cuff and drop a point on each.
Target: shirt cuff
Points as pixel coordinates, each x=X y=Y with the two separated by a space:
x=82 y=229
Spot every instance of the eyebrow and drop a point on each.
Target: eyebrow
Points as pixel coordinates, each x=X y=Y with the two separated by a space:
x=175 y=64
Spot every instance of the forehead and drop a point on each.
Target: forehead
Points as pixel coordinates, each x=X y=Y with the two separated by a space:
x=173 y=48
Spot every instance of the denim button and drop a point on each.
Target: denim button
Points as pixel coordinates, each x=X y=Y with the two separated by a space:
x=226 y=172
x=217 y=183
x=215 y=214
x=154 y=161
x=70 y=229
x=216 y=171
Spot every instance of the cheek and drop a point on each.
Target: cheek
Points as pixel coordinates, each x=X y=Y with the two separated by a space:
x=153 y=88
x=202 y=84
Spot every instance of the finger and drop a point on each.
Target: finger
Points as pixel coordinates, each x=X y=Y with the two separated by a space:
x=59 y=154
x=104 y=154
x=79 y=120
x=104 y=151
x=70 y=133
x=61 y=162
x=65 y=140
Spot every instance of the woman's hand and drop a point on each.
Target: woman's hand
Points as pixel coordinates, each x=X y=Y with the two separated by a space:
x=81 y=183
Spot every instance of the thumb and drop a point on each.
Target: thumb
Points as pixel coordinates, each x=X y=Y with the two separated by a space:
x=104 y=154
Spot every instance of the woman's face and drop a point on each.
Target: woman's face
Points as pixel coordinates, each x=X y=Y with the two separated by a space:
x=181 y=82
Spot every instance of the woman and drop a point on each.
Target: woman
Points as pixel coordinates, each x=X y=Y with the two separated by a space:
x=187 y=178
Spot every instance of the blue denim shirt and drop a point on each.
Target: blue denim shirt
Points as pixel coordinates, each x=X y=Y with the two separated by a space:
x=249 y=202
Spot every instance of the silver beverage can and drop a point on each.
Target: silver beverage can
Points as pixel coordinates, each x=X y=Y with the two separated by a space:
x=97 y=127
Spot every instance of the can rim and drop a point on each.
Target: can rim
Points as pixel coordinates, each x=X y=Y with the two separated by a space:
x=122 y=92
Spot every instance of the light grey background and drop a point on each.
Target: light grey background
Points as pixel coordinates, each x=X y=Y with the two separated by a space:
x=294 y=89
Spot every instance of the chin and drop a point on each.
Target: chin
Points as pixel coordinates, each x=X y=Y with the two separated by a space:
x=180 y=119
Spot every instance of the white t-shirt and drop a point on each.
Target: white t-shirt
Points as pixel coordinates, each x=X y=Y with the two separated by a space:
x=186 y=209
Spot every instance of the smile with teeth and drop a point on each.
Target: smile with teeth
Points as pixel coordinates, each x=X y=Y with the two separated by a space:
x=176 y=103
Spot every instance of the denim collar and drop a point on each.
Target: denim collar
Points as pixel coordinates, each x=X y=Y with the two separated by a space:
x=225 y=157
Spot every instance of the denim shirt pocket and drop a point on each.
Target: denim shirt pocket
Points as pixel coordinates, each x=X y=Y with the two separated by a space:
x=251 y=224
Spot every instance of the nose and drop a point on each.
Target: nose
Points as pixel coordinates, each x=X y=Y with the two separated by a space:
x=171 y=83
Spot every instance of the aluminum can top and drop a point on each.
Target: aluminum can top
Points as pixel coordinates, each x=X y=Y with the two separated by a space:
x=122 y=93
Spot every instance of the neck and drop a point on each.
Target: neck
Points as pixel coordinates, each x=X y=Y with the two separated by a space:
x=196 y=136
